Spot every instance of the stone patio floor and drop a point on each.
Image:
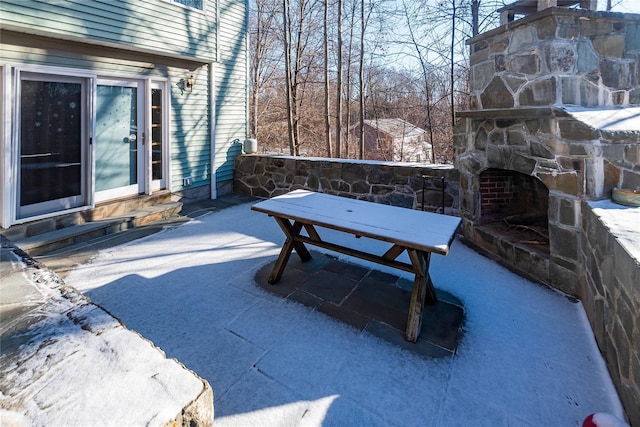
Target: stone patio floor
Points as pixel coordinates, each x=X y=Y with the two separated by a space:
x=497 y=350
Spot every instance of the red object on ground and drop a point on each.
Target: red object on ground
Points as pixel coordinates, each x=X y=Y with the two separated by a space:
x=601 y=419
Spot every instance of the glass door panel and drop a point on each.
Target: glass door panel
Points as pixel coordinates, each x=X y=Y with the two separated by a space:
x=117 y=140
x=51 y=169
x=157 y=138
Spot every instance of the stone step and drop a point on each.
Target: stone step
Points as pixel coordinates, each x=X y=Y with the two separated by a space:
x=102 y=210
x=52 y=240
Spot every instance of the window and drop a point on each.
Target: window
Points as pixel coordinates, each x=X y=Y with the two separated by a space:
x=195 y=4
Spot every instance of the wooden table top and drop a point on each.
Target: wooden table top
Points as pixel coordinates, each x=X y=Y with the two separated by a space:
x=424 y=231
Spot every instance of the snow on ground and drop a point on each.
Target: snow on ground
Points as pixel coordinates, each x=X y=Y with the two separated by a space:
x=527 y=355
x=66 y=362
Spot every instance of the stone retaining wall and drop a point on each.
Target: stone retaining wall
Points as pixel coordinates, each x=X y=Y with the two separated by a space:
x=397 y=184
x=610 y=294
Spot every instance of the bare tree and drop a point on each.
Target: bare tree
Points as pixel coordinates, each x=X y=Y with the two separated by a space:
x=264 y=56
x=425 y=87
x=363 y=26
x=422 y=59
x=339 y=83
x=286 y=19
x=327 y=106
x=452 y=58
x=300 y=44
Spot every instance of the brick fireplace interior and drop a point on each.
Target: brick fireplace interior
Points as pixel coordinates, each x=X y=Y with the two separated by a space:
x=514 y=206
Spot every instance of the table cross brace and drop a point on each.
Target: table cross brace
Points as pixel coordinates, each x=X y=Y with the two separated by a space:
x=423 y=289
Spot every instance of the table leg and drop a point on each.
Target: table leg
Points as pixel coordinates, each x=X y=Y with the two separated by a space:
x=422 y=290
x=291 y=231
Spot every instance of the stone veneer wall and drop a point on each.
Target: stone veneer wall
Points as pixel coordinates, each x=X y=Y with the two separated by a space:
x=398 y=184
x=574 y=161
x=610 y=294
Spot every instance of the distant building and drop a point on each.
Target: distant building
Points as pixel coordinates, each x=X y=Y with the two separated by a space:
x=394 y=140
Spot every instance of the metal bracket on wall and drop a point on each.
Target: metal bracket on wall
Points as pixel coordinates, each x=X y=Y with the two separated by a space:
x=442 y=182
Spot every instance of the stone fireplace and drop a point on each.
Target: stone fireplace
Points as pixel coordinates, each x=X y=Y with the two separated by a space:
x=551 y=95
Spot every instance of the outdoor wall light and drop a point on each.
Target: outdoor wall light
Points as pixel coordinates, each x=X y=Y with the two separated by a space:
x=186 y=85
x=191 y=81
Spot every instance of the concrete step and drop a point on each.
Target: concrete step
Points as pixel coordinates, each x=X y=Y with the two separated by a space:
x=65 y=259
x=74 y=234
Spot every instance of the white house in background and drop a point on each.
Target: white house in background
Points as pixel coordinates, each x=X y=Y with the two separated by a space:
x=395 y=140
x=104 y=100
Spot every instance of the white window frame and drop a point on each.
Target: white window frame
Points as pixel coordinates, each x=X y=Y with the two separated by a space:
x=162 y=84
x=184 y=6
x=144 y=172
x=6 y=178
x=139 y=187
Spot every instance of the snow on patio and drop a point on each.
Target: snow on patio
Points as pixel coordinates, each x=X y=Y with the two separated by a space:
x=527 y=355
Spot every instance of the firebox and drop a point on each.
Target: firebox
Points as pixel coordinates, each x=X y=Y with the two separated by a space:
x=512 y=197
x=514 y=209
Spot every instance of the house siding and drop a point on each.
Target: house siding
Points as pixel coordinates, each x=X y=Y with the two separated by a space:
x=150 y=38
x=142 y=25
x=231 y=93
x=190 y=130
x=190 y=138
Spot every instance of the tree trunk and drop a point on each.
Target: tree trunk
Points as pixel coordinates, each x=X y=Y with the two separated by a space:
x=475 y=17
x=425 y=77
x=288 y=83
x=327 y=106
x=339 y=85
x=453 y=63
x=361 y=74
x=347 y=112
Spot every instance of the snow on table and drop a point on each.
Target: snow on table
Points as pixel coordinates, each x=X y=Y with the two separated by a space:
x=420 y=230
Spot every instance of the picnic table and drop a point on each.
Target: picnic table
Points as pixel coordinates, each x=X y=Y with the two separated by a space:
x=418 y=233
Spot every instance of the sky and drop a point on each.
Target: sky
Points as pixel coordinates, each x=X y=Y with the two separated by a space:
x=625 y=6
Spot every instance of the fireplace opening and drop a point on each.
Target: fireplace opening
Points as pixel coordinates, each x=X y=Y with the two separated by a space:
x=515 y=206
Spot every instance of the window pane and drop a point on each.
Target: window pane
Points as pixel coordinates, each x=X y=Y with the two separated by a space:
x=50 y=141
x=196 y=4
x=116 y=145
x=156 y=134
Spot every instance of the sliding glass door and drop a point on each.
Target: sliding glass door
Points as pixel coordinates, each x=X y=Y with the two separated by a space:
x=86 y=139
x=52 y=149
